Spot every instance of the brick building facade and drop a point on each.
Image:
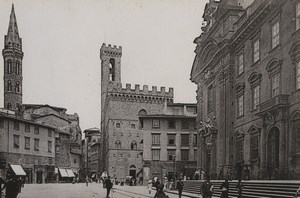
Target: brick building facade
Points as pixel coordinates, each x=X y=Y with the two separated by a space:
x=247 y=71
x=120 y=107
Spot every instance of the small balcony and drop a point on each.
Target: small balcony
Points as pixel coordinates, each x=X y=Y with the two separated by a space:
x=279 y=101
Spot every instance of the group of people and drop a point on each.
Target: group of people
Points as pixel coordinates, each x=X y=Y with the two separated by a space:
x=12 y=185
x=160 y=188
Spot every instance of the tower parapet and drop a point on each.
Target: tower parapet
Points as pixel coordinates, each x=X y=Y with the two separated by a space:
x=117 y=91
x=109 y=50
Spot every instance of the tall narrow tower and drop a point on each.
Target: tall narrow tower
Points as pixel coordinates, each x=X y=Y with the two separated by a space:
x=12 y=55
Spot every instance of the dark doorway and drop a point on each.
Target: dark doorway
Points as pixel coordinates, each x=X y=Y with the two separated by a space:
x=39 y=177
x=132 y=171
x=239 y=170
x=273 y=152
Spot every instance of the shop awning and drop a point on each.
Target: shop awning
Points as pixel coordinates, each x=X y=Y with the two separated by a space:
x=18 y=170
x=63 y=172
x=70 y=173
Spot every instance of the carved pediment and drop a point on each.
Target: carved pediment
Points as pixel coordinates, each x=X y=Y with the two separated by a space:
x=254 y=78
x=254 y=129
x=239 y=134
x=295 y=116
x=295 y=51
x=274 y=66
x=239 y=88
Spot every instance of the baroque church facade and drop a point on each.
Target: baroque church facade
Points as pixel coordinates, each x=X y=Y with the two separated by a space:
x=120 y=111
x=247 y=71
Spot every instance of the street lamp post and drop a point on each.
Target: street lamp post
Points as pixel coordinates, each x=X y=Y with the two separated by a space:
x=174 y=158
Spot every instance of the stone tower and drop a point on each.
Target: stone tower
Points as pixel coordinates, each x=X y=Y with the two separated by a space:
x=12 y=55
x=120 y=109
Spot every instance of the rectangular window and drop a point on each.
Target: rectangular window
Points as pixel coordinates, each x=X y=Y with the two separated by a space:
x=50 y=146
x=184 y=155
x=36 y=130
x=155 y=139
x=1 y=123
x=155 y=123
x=254 y=147
x=195 y=140
x=184 y=124
x=155 y=154
x=275 y=34
x=171 y=124
x=241 y=105
x=74 y=161
x=27 y=127
x=171 y=139
x=298 y=16
x=256 y=96
x=171 y=155
x=256 y=51
x=240 y=64
x=49 y=133
x=210 y=98
x=298 y=75
x=195 y=155
x=239 y=150
x=185 y=139
x=275 y=85
x=36 y=144
x=27 y=143
x=16 y=141
x=16 y=125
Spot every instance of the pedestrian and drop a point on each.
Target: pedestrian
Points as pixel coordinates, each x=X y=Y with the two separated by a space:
x=149 y=186
x=225 y=188
x=221 y=174
x=156 y=184
x=207 y=188
x=202 y=174
x=171 y=184
x=160 y=193
x=108 y=185
x=247 y=173
x=229 y=174
x=11 y=186
x=179 y=187
x=239 y=188
x=297 y=193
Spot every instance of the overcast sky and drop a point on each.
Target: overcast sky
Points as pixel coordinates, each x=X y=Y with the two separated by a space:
x=62 y=40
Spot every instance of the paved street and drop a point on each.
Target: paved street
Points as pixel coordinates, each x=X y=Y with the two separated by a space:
x=81 y=191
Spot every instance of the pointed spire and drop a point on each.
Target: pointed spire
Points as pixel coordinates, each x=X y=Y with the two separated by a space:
x=13 y=27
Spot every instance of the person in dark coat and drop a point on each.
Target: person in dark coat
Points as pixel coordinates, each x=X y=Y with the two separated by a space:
x=11 y=186
x=225 y=188
x=239 y=188
x=207 y=188
x=156 y=184
x=108 y=185
x=179 y=187
x=160 y=193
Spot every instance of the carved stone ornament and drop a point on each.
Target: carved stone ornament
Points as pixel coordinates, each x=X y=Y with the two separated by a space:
x=269 y=118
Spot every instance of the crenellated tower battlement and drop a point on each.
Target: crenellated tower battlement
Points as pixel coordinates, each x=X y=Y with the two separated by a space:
x=116 y=91
x=109 y=50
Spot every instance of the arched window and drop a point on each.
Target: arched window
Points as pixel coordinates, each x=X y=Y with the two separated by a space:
x=17 y=87
x=133 y=145
x=18 y=65
x=118 y=125
x=118 y=144
x=112 y=68
x=9 y=65
x=9 y=87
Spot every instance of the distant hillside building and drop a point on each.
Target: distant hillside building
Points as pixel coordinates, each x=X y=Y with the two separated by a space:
x=170 y=142
x=247 y=68
x=120 y=108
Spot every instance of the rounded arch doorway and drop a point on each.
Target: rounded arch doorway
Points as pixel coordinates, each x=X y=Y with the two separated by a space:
x=132 y=171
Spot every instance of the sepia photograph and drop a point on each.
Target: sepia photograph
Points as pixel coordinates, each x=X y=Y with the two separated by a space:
x=150 y=99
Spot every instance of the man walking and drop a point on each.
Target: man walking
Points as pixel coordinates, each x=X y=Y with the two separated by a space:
x=108 y=185
x=179 y=187
x=207 y=188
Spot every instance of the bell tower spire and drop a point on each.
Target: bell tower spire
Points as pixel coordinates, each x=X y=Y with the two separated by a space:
x=12 y=56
